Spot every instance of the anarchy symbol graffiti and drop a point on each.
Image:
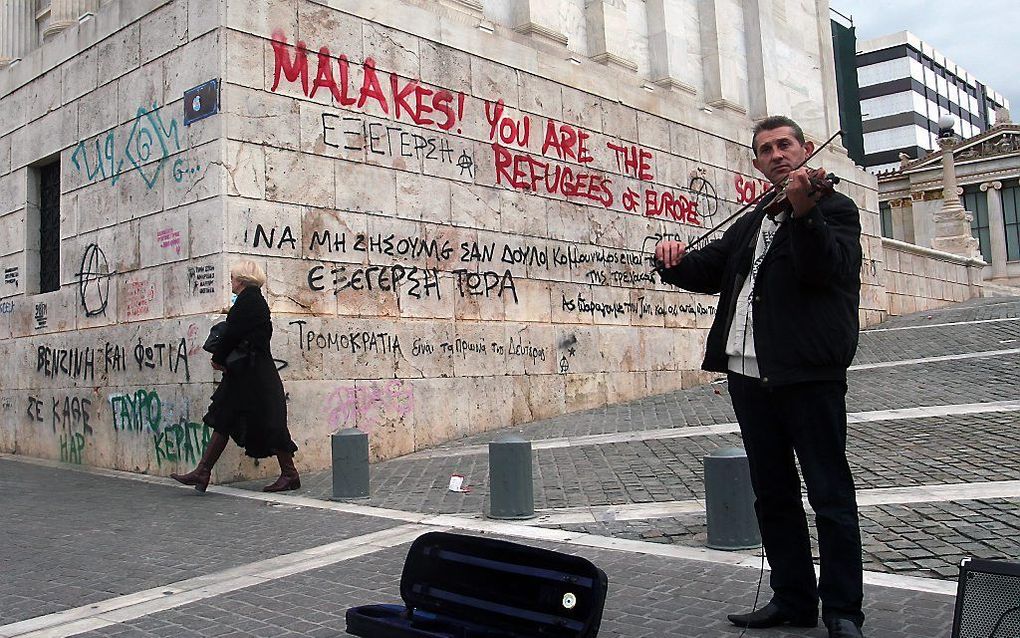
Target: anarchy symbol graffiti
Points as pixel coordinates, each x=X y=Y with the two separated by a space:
x=704 y=194
x=94 y=281
x=466 y=165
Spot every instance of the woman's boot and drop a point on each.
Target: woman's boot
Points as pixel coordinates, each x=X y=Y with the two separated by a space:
x=289 y=479
x=199 y=477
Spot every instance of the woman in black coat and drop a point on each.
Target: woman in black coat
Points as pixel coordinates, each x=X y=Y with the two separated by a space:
x=249 y=405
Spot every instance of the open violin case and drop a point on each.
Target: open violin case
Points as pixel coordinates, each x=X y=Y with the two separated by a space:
x=457 y=586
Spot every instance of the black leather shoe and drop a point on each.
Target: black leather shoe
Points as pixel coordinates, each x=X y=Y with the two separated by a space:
x=771 y=615
x=843 y=628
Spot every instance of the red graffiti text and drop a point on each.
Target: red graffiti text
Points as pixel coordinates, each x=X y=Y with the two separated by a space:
x=403 y=99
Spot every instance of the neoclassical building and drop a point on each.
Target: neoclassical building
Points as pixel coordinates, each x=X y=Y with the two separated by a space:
x=25 y=24
x=986 y=170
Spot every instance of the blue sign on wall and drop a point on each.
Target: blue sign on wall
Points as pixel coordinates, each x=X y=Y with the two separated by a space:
x=201 y=101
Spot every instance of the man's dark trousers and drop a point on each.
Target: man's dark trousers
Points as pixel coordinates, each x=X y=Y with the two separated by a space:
x=809 y=419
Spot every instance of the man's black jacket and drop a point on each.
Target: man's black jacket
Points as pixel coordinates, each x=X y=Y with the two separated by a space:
x=806 y=299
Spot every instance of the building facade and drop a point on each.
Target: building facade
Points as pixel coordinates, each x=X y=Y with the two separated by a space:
x=905 y=86
x=985 y=181
x=454 y=202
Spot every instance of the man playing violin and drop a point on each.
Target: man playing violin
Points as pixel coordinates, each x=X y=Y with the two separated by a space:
x=785 y=332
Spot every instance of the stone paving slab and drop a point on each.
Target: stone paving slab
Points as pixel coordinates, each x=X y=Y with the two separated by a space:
x=925 y=540
x=72 y=539
x=977 y=309
x=936 y=450
x=936 y=341
x=940 y=383
x=649 y=597
x=105 y=537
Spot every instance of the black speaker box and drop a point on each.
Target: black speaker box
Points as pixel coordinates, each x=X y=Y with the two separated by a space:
x=987 y=600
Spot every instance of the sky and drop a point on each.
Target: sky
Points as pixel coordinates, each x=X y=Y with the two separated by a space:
x=979 y=36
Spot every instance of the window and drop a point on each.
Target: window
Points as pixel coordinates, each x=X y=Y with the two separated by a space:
x=885 y=215
x=1011 y=215
x=976 y=202
x=43 y=231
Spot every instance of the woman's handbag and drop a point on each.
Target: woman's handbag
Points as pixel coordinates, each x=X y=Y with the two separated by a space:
x=215 y=336
x=240 y=357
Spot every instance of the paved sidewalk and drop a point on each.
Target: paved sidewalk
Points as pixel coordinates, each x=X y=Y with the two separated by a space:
x=932 y=443
x=903 y=538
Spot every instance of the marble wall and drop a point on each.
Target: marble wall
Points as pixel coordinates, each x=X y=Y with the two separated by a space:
x=455 y=221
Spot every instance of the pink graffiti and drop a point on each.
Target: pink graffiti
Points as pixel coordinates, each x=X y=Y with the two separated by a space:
x=169 y=238
x=194 y=346
x=139 y=294
x=368 y=405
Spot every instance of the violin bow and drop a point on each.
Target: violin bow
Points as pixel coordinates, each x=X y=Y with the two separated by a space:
x=757 y=199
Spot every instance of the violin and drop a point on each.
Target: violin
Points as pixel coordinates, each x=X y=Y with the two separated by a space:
x=822 y=184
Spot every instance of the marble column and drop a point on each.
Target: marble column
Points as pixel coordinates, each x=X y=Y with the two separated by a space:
x=827 y=69
x=996 y=228
x=540 y=19
x=18 y=34
x=666 y=45
x=763 y=96
x=473 y=8
x=65 y=13
x=722 y=73
x=902 y=225
x=952 y=221
x=608 y=38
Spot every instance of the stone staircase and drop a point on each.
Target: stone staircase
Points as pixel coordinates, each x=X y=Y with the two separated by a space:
x=989 y=289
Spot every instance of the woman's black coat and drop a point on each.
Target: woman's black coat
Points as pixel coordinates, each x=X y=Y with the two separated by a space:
x=249 y=404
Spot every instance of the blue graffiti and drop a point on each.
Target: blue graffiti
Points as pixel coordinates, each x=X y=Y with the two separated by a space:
x=148 y=149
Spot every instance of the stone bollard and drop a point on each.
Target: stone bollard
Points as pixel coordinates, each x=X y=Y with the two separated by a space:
x=350 y=464
x=511 y=493
x=729 y=501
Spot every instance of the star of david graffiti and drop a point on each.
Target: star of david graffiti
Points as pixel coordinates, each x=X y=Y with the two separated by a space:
x=147 y=147
x=147 y=150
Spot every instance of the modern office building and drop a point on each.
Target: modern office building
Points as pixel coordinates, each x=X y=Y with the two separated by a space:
x=905 y=85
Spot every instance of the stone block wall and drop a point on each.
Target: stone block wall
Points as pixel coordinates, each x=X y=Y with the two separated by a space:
x=919 y=279
x=455 y=225
x=107 y=369
x=467 y=219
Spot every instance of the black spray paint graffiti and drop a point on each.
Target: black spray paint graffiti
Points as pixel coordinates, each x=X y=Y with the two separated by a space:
x=411 y=281
x=11 y=276
x=514 y=347
x=80 y=363
x=378 y=138
x=41 y=316
x=152 y=357
x=202 y=279
x=584 y=305
x=352 y=342
x=68 y=416
x=569 y=347
x=71 y=413
x=94 y=281
x=704 y=195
